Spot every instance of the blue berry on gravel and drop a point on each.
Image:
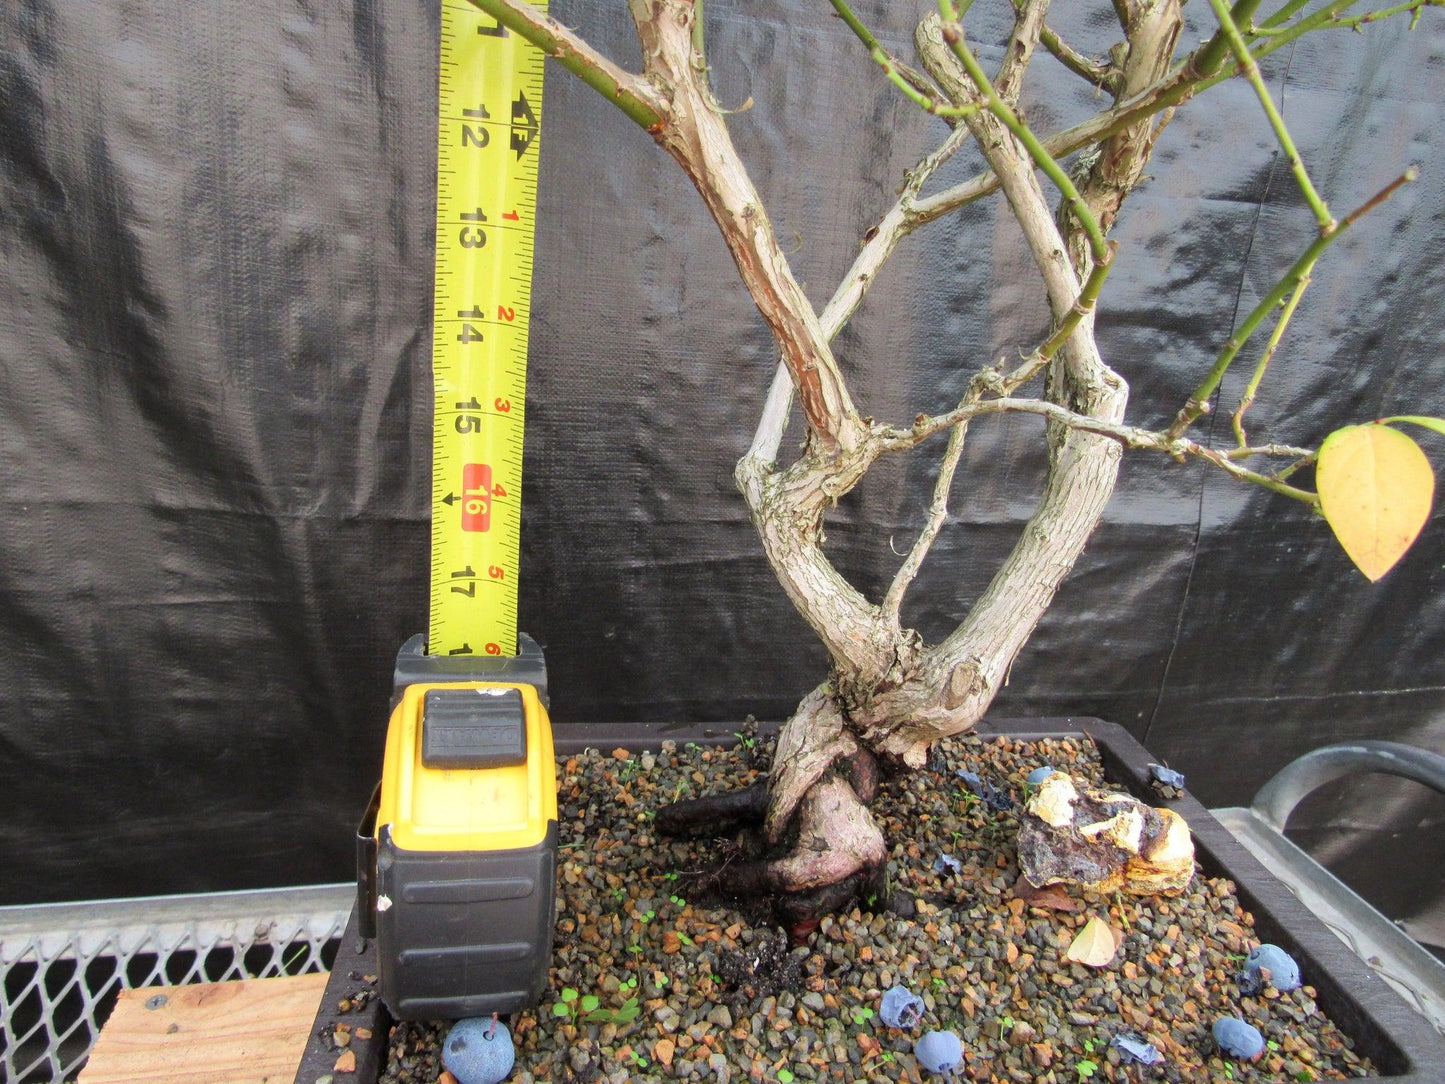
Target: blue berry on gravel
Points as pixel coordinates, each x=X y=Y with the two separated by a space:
x=1136 y=1048
x=1237 y=1038
x=1283 y=971
x=939 y=1051
x=1038 y=775
x=901 y=1008
x=479 y=1050
x=1167 y=776
x=947 y=863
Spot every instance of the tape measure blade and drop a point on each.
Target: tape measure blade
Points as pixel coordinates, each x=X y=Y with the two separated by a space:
x=488 y=139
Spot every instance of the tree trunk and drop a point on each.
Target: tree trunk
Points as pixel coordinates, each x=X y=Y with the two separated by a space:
x=889 y=698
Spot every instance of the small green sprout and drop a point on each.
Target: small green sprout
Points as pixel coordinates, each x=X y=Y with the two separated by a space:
x=1006 y=1023
x=1086 y=1069
x=743 y=739
x=785 y=1076
x=686 y=940
x=637 y=1059
x=862 y=1014
x=678 y=901
x=1272 y=1044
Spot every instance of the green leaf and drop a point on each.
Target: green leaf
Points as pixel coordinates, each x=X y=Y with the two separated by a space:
x=1435 y=424
x=1376 y=488
x=785 y=1076
x=559 y=1009
x=590 y=1002
x=568 y=994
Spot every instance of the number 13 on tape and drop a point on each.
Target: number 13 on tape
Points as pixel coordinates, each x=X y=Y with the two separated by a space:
x=489 y=120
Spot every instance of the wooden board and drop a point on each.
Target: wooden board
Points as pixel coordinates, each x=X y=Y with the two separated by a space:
x=247 y=1032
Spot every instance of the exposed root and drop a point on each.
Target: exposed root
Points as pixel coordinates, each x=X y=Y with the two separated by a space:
x=705 y=816
x=808 y=745
x=837 y=837
x=839 y=855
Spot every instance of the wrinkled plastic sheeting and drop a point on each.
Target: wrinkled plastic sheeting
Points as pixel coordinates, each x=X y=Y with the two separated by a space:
x=215 y=246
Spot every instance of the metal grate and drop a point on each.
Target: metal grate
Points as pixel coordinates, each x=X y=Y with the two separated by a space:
x=64 y=964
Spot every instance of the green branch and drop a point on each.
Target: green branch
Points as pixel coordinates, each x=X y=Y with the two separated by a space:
x=1183 y=82
x=895 y=71
x=1247 y=399
x=630 y=93
x=1276 y=121
x=953 y=37
x=1207 y=59
x=1299 y=271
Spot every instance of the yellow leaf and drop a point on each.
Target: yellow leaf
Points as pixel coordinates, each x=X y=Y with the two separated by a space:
x=1095 y=945
x=1376 y=487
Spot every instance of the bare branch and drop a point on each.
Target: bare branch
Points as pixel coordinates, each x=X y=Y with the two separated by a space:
x=1128 y=436
x=1094 y=71
x=696 y=135
x=878 y=244
x=937 y=512
x=1028 y=24
x=953 y=37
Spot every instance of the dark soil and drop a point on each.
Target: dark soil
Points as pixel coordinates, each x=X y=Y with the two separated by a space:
x=720 y=995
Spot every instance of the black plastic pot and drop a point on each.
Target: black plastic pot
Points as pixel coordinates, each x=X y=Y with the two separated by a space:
x=1401 y=1044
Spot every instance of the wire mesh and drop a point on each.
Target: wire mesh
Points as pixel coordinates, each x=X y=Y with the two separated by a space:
x=64 y=965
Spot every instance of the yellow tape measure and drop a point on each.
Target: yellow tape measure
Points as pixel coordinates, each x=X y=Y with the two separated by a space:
x=487 y=147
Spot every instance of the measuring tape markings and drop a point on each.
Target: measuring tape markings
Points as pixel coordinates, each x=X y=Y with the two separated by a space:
x=489 y=120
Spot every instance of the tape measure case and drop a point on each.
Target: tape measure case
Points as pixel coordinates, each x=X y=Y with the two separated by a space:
x=457 y=856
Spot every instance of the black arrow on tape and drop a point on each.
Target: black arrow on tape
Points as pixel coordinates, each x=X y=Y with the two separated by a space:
x=450 y=498
x=524 y=125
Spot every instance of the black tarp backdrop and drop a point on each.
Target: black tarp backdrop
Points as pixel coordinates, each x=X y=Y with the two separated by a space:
x=214 y=447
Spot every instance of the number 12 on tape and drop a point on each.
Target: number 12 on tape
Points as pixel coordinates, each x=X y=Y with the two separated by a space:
x=489 y=121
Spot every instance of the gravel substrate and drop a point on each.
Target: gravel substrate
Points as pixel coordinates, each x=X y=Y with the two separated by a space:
x=721 y=996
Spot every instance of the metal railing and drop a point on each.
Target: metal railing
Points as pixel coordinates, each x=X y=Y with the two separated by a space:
x=62 y=965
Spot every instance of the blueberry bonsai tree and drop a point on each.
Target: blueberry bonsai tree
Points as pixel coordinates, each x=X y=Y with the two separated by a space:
x=889 y=696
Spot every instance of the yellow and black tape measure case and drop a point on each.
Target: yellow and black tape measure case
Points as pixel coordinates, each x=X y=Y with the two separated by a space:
x=457 y=855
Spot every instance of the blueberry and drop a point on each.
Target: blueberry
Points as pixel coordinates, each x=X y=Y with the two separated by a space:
x=1038 y=775
x=1283 y=971
x=1167 y=776
x=1136 y=1048
x=479 y=1051
x=900 y=1008
x=947 y=863
x=939 y=1051
x=1237 y=1038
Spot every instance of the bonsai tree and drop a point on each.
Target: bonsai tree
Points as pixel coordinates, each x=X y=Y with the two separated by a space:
x=889 y=697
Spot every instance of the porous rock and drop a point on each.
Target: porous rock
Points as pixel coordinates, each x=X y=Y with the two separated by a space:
x=1075 y=834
